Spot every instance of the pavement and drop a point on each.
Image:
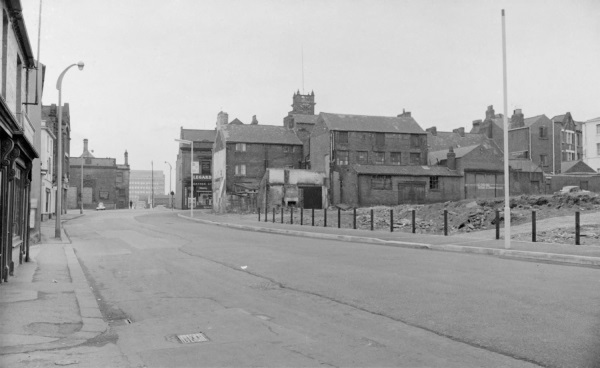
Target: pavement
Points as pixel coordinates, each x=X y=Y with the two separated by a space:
x=48 y=304
x=476 y=242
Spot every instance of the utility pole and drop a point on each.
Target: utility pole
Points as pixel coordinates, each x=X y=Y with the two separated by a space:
x=152 y=163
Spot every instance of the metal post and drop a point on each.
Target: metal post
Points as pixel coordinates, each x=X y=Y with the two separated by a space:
x=266 y=213
x=192 y=177
x=414 y=222
x=391 y=221
x=497 y=224
x=152 y=186
x=354 y=220
x=81 y=211
x=533 y=232
x=446 y=222
x=371 y=219
x=282 y=215
x=273 y=215
x=291 y=215
x=339 y=218
x=258 y=214
x=325 y=217
x=505 y=125
x=577 y=229
x=301 y=216
x=313 y=216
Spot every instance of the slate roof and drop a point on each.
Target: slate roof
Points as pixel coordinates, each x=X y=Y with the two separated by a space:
x=558 y=118
x=268 y=134
x=532 y=120
x=404 y=170
x=366 y=123
x=575 y=167
x=445 y=140
x=305 y=119
x=435 y=156
x=198 y=135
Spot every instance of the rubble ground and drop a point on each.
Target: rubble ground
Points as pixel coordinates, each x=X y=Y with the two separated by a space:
x=463 y=216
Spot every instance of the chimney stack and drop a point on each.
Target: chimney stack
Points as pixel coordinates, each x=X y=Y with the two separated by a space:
x=517 y=120
x=490 y=113
x=222 y=119
x=476 y=125
x=85 y=145
x=432 y=130
x=126 y=158
x=460 y=131
x=254 y=121
x=405 y=114
x=451 y=159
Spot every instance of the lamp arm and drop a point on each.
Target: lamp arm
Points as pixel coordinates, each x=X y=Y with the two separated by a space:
x=60 y=77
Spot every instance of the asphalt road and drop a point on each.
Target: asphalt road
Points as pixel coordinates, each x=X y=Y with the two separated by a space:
x=270 y=300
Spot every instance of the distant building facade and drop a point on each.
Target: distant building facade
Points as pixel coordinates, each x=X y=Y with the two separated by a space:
x=47 y=159
x=301 y=120
x=103 y=181
x=144 y=183
x=591 y=143
x=50 y=116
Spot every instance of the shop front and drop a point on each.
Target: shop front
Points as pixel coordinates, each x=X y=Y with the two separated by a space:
x=203 y=189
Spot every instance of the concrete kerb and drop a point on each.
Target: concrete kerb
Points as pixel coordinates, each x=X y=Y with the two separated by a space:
x=506 y=253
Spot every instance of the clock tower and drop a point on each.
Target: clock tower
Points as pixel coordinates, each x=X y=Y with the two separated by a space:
x=303 y=104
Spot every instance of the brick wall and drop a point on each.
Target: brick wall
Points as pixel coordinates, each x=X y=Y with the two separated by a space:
x=319 y=147
x=449 y=189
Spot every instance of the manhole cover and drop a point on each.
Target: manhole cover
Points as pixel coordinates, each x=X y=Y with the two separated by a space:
x=191 y=338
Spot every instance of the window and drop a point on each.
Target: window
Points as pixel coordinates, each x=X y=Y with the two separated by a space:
x=543 y=132
x=379 y=139
x=415 y=141
x=240 y=170
x=395 y=158
x=296 y=149
x=342 y=137
x=362 y=157
x=597 y=128
x=205 y=167
x=598 y=149
x=543 y=160
x=381 y=182
x=415 y=158
x=240 y=147
x=342 y=157
x=286 y=149
x=434 y=182
x=379 y=158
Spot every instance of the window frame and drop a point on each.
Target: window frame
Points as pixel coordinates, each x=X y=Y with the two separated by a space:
x=240 y=147
x=342 y=137
x=412 y=156
x=385 y=184
x=376 y=155
x=399 y=155
x=434 y=183
x=339 y=154
x=364 y=161
x=240 y=170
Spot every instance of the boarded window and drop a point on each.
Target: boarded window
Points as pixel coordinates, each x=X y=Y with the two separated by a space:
x=415 y=141
x=543 y=132
x=342 y=137
x=342 y=157
x=381 y=182
x=434 y=182
x=362 y=157
x=379 y=158
x=396 y=158
x=544 y=160
x=415 y=158
x=379 y=139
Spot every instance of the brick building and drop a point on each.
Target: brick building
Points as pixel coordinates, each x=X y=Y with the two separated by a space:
x=302 y=119
x=203 y=145
x=143 y=184
x=571 y=137
x=50 y=116
x=103 y=181
x=377 y=160
x=492 y=126
x=241 y=156
x=17 y=138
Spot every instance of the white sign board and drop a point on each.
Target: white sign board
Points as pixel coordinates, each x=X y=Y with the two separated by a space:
x=196 y=167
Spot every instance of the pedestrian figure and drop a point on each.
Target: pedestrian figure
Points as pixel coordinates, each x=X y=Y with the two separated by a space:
x=130 y=204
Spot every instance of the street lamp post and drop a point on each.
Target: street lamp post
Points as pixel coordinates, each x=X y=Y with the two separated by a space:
x=191 y=143
x=81 y=192
x=170 y=170
x=59 y=153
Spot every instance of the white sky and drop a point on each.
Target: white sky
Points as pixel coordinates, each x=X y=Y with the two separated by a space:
x=153 y=66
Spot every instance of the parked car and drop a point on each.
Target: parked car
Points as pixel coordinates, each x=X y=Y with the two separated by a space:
x=100 y=207
x=571 y=189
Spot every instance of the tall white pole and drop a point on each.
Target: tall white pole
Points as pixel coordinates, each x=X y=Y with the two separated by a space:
x=192 y=178
x=81 y=192
x=506 y=167
x=59 y=161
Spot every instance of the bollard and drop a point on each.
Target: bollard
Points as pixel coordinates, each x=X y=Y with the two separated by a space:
x=266 y=214
x=391 y=221
x=313 y=217
x=258 y=214
x=445 y=222
x=301 y=216
x=339 y=217
x=354 y=220
x=497 y=224
x=414 y=221
x=273 y=215
x=291 y=215
x=325 y=217
x=577 y=228
x=282 y=215
x=371 y=220
x=533 y=235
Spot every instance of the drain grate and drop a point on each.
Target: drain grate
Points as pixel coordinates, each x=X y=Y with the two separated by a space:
x=192 y=338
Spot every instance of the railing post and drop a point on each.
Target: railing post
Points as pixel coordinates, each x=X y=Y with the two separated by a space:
x=354 y=220
x=577 y=228
x=313 y=216
x=273 y=215
x=445 y=222
x=391 y=221
x=339 y=217
x=258 y=214
x=414 y=221
x=266 y=214
x=282 y=208
x=497 y=224
x=533 y=232
x=324 y=217
x=291 y=215
x=371 y=219
x=301 y=216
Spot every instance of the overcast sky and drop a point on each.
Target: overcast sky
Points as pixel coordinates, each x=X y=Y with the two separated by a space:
x=153 y=66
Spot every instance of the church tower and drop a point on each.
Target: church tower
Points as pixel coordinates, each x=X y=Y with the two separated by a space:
x=303 y=104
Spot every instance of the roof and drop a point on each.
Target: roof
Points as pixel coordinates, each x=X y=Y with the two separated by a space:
x=445 y=140
x=269 y=134
x=532 y=120
x=558 y=118
x=305 y=119
x=435 y=156
x=593 y=120
x=366 y=123
x=575 y=167
x=198 y=135
x=404 y=170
